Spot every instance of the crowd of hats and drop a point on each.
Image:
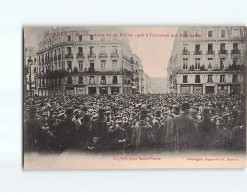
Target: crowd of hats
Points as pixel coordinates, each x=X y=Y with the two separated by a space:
x=92 y=106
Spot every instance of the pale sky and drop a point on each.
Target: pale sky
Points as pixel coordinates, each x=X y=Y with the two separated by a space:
x=154 y=52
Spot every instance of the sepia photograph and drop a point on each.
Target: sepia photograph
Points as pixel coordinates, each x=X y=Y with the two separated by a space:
x=134 y=97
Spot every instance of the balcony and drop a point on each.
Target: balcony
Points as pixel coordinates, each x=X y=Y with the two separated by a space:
x=67 y=56
x=185 y=52
x=114 y=55
x=210 y=52
x=235 y=51
x=80 y=55
x=223 y=52
x=92 y=55
x=197 y=52
x=102 y=55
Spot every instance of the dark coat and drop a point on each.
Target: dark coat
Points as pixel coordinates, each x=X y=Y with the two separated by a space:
x=67 y=134
x=206 y=129
x=143 y=135
x=186 y=132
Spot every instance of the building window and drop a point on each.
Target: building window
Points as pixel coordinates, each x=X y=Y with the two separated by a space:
x=185 y=63
x=235 y=32
x=69 y=66
x=197 y=79
x=114 y=37
x=222 y=63
x=114 y=63
x=91 y=68
x=235 y=78
x=91 y=80
x=185 y=33
x=210 y=33
x=80 y=37
x=69 y=50
x=80 y=80
x=222 y=46
x=197 y=63
x=114 y=49
x=223 y=33
x=210 y=61
x=91 y=51
x=34 y=70
x=235 y=61
x=210 y=78
x=80 y=51
x=235 y=46
x=222 y=78
x=103 y=63
x=114 y=80
x=197 y=49
x=210 y=48
x=69 y=80
x=103 y=80
x=80 y=64
x=102 y=38
x=68 y=38
x=185 y=79
x=91 y=37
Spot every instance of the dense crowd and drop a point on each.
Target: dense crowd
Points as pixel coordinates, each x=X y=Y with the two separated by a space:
x=137 y=122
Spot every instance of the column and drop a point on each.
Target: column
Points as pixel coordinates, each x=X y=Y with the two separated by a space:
x=86 y=90
x=191 y=90
x=120 y=90
x=216 y=88
x=97 y=90
x=109 y=90
x=178 y=88
x=203 y=88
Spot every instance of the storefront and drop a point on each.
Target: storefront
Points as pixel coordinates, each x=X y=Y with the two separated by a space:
x=197 y=89
x=103 y=90
x=114 y=90
x=69 y=91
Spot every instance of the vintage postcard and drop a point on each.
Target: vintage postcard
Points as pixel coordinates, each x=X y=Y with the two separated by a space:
x=134 y=97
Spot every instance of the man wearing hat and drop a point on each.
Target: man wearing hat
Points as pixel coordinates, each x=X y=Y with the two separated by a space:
x=169 y=138
x=143 y=136
x=84 y=132
x=206 y=129
x=76 y=119
x=100 y=130
x=67 y=132
x=221 y=137
x=186 y=133
x=157 y=127
x=118 y=135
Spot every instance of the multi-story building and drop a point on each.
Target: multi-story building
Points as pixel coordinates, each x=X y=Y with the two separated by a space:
x=30 y=71
x=86 y=62
x=208 y=60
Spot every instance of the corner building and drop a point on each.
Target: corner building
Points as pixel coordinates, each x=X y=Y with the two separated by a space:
x=76 y=62
x=208 y=60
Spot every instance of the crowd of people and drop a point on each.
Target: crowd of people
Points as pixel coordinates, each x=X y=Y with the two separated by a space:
x=137 y=122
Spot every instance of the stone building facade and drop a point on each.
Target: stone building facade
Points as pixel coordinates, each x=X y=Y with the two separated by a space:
x=208 y=60
x=75 y=62
x=30 y=70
